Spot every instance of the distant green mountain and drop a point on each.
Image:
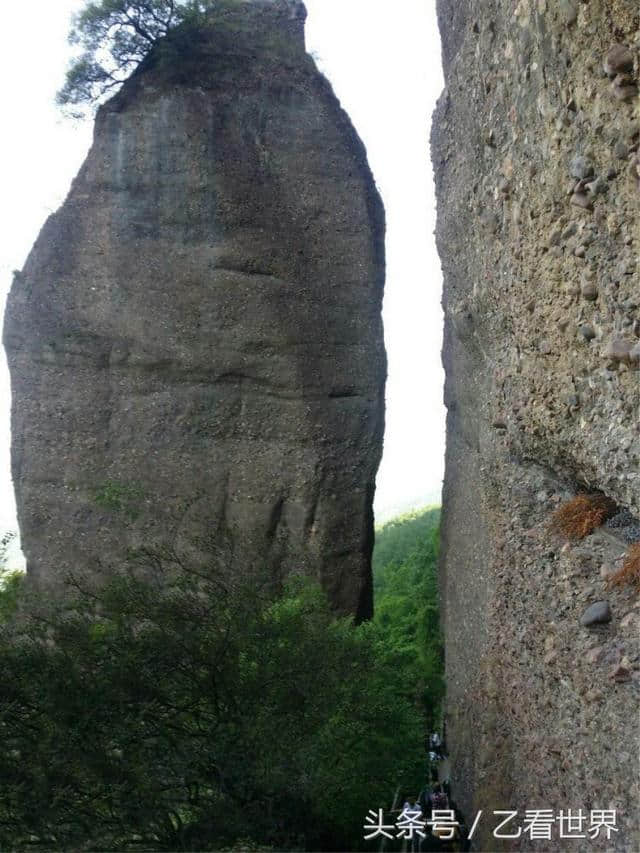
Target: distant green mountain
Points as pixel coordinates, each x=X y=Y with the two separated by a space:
x=395 y=539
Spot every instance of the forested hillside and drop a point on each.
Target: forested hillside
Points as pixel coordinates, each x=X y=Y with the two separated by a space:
x=197 y=715
x=406 y=603
x=211 y=710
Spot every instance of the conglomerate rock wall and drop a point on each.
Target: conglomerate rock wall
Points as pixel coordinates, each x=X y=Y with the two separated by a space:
x=195 y=341
x=535 y=147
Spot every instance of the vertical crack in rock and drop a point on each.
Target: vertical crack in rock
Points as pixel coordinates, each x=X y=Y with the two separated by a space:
x=195 y=342
x=535 y=149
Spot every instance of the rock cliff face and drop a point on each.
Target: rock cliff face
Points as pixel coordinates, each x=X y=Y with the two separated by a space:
x=535 y=146
x=195 y=342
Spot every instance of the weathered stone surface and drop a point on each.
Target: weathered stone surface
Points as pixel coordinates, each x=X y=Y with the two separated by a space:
x=596 y=613
x=195 y=342
x=525 y=723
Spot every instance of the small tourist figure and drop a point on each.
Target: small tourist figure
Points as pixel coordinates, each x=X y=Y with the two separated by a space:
x=435 y=743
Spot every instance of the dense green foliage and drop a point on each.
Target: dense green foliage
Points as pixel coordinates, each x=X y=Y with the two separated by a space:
x=11 y=585
x=188 y=715
x=11 y=581
x=397 y=538
x=114 y=36
x=194 y=713
x=406 y=604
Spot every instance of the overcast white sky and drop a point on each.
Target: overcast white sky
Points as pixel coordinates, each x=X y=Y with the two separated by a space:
x=383 y=59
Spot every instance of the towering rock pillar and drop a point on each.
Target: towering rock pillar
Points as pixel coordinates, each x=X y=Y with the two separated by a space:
x=535 y=147
x=195 y=342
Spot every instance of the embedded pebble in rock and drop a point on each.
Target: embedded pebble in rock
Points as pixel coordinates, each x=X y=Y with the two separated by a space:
x=597 y=614
x=621 y=150
x=582 y=200
x=622 y=672
x=598 y=187
x=623 y=88
x=588 y=332
x=634 y=353
x=589 y=290
x=580 y=167
x=568 y=11
x=594 y=696
x=594 y=655
x=619 y=59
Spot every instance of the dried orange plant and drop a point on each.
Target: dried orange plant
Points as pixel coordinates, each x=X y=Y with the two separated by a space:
x=630 y=571
x=580 y=516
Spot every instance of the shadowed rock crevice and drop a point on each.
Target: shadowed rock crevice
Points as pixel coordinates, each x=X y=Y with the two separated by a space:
x=199 y=325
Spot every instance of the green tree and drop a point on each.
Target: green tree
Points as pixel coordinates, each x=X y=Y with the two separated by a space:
x=190 y=713
x=11 y=580
x=114 y=36
x=405 y=581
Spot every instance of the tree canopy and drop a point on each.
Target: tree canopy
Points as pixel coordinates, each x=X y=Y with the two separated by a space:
x=405 y=583
x=114 y=36
x=176 y=708
x=191 y=714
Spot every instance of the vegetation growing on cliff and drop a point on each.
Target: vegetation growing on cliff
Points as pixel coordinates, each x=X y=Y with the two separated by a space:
x=189 y=715
x=629 y=572
x=406 y=604
x=11 y=580
x=580 y=516
x=115 y=36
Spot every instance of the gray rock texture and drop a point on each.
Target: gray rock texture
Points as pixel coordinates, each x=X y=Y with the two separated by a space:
x=195 y=342
x=597 y=613
x=535 y=146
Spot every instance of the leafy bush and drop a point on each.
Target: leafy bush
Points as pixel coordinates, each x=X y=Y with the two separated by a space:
x=11 y=581
x=11 y=585
x=195 y=712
